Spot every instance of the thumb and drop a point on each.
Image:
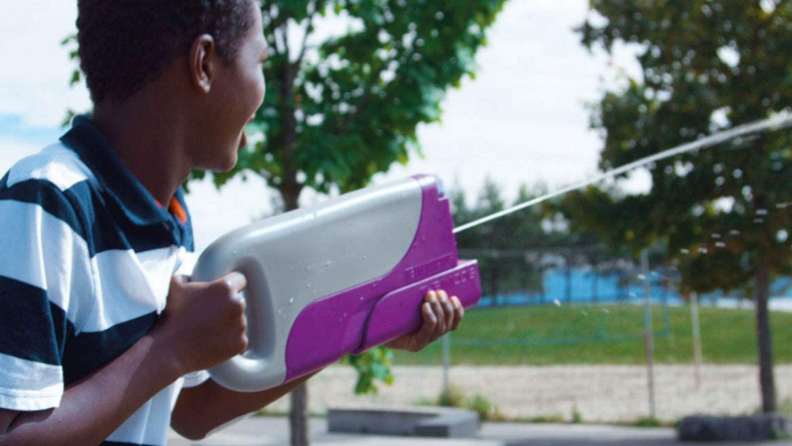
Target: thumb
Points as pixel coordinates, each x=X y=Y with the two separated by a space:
x=235 y=281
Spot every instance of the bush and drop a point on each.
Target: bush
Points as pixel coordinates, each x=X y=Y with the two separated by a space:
x=478 y=403
x=577 y=417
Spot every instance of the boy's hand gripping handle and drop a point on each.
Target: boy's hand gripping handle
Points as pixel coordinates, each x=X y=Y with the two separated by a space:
x=258 y=367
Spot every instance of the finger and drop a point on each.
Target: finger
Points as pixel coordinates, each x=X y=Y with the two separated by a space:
x=448 y=310
x=459 y=312
x=428 y=327
x=437 y=308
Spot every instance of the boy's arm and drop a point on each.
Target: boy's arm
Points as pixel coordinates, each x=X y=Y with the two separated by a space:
x=202 y=326
x=200 y=410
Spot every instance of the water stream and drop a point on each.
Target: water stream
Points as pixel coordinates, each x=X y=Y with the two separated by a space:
x=777 y=122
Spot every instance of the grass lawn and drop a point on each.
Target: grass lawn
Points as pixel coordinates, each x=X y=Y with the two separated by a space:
x=545 y=335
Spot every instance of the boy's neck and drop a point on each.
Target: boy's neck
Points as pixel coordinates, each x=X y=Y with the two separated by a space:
x=149 y=137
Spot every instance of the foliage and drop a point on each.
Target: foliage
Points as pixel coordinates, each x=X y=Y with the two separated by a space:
x=706 y=65
x=577 y=417
x=371 y=367
x=477 y=403
x=338 y=113
x=724 y=215
x=648 y=422
x=515 y=251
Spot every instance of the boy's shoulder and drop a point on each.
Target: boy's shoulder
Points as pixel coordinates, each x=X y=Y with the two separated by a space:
x=54 y=180
x=56 y=166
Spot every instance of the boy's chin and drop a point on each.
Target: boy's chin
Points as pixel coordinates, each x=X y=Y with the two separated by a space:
x=223 y=165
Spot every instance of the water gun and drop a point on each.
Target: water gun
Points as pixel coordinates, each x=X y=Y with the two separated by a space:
x=338 y=278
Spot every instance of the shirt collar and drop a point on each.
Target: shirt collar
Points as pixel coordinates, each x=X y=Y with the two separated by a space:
x=88 y=141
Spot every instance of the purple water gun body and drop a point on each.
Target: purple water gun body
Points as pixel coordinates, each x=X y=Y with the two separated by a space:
x=339 y=278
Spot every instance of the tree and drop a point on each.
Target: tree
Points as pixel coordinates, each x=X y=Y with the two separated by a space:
x=706 y=65
x=339 y=110
x=512 y=250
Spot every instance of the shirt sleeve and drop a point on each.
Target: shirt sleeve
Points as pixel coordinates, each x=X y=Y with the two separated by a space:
x=44 y=270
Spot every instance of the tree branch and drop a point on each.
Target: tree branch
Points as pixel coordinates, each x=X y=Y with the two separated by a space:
x=308 y=30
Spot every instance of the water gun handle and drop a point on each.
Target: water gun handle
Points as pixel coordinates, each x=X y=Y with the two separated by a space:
x=258 y=366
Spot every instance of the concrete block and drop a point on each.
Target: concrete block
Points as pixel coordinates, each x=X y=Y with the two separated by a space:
x=750 y=428
x=440 y=422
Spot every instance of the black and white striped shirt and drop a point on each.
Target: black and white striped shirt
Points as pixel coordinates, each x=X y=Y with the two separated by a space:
x=86 y=256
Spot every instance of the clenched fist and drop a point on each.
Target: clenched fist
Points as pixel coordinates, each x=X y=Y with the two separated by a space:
x=204 y=322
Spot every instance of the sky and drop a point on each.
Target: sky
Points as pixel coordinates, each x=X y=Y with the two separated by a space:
x=523 y=120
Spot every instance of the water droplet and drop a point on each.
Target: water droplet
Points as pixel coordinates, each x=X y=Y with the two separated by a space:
x=328 y=263
x=362 y=297
x=633 y=295
x=641 y=277
x=606 y=311
x=758 y=220
x=308 y=268
x=734 y=232
x=291 y=301
x=556 y=302
x=720 y=245
x=684 y=251
x=703 y=250
x=308 y=285
x=761 y=212
x=716 y=236
x=584 y=313
x=782 y=236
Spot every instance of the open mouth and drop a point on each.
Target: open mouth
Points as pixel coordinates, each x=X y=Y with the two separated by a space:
x=243 y=140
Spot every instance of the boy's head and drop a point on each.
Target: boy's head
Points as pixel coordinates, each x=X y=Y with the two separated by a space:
x=126 y=43
x=197 y=63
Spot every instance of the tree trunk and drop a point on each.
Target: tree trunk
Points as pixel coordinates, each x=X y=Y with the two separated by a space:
x=298 y=417
x=493 y=279
x=595 y=290
x=766 y=380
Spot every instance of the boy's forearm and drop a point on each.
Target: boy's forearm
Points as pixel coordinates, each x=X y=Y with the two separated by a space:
x=94 y=407
x=200 y=410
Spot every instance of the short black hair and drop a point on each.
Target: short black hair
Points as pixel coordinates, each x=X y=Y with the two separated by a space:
x=124 y=44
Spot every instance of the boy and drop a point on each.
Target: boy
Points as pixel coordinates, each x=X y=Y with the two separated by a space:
x=94 y=229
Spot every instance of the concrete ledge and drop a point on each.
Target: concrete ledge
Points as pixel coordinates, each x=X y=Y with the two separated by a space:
x=752 y=428
x=439 y=422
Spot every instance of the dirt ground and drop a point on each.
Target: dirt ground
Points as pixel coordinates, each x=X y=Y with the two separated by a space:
x=597 y=393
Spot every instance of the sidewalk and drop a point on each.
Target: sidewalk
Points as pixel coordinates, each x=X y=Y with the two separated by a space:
x=274 y=431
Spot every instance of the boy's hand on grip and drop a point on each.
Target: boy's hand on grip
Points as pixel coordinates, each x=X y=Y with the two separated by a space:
x=441 y=314
x=204 y=322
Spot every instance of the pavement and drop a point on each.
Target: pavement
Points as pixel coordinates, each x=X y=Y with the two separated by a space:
x=274 y=431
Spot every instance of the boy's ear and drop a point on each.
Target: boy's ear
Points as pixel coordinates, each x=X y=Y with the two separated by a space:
x=203 y=62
